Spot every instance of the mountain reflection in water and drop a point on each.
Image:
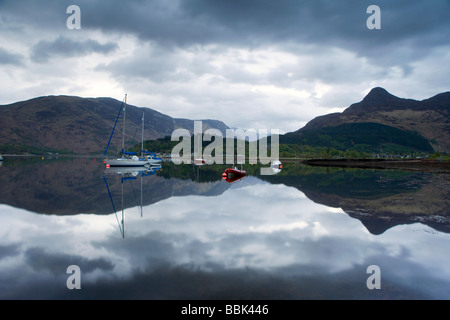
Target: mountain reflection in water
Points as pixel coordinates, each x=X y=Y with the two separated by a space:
x=304 y=233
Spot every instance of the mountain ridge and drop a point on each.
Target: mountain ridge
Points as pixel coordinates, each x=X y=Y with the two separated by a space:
x=71 y=124
x=430 y=118
x=79 y=125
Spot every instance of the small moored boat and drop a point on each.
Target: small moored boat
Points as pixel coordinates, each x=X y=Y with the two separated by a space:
x=233 y=174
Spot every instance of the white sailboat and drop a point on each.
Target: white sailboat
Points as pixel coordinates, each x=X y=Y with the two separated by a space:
x=128 y=159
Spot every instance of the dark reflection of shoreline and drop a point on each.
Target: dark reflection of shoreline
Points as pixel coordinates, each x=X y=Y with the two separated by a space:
x=75 y=186
x=380 y=199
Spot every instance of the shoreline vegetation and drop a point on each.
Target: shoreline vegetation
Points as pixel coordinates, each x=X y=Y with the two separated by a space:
x=427 y=165
x=392 y=157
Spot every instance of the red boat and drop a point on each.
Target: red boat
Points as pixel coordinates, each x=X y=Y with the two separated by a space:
x=233 y=174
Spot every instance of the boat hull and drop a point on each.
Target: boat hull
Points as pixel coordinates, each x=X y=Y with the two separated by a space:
x=126 y=163
x=133 y=162
x=232 y=175
x=154 y=162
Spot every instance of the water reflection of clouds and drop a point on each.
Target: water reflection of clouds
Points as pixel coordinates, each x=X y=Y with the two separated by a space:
x=271 y=231
x=268 y=227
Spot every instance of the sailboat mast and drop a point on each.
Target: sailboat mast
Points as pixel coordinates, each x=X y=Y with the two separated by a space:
x=124 y=118
x=142 y=142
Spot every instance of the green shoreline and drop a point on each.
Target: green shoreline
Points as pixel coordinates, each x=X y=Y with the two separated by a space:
x=429 y=165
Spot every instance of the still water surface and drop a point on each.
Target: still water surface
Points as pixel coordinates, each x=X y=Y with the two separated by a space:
x=182 y=232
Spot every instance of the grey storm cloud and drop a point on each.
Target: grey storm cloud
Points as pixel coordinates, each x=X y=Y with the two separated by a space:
x=251 y=22
x=66 y=47
x=256 y=21
x=7 y=57
x=56 y=263
x=410 y=29
x=9 y=250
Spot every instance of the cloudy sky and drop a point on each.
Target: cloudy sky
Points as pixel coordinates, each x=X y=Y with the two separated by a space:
x=258 y=64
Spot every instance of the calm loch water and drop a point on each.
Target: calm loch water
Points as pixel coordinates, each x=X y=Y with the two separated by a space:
x=182 y=232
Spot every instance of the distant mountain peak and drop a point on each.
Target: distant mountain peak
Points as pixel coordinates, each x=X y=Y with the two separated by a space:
x=429 y=118
x=378 y=94
x=379 y=99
